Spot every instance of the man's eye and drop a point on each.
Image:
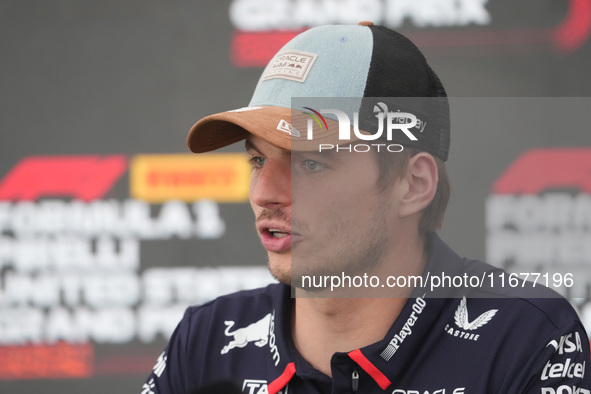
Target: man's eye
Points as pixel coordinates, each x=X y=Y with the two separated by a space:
x=312 y=165
x=257 y=161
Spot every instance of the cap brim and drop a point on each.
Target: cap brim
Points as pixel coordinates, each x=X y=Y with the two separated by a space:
x=267 y=122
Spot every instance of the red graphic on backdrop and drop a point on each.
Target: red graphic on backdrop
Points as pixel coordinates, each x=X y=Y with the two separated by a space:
x=60 y=360
x=575 y=28
x=256 y=48
x=81 y=177
x=543 y=169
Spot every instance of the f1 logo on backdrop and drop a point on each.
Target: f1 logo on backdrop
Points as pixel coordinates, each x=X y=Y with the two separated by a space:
x=82 y=177
x=538 y=170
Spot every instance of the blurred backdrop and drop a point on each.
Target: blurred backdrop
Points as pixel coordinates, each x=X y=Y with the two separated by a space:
x=109 y=229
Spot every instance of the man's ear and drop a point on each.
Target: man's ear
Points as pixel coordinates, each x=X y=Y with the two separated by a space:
x=421 y=178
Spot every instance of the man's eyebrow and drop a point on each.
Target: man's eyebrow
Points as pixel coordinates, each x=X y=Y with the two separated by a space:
x=249 y=145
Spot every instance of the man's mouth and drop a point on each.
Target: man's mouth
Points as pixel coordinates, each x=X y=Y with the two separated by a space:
x=276 y=233
x=275 y=237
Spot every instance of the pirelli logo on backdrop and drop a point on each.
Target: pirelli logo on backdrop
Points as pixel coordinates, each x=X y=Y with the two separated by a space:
x=220 y=177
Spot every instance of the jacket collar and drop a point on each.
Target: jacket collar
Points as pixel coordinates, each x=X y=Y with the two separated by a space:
x=402 y=341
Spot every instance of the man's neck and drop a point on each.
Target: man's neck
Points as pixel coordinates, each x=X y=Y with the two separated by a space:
x=324 y=326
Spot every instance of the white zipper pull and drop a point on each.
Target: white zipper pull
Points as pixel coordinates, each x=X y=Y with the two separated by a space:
x=355 y=381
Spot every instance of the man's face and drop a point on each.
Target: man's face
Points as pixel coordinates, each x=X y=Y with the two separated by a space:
x=319 y=213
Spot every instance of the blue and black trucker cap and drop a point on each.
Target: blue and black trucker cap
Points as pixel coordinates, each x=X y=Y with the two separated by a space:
x=363 y=61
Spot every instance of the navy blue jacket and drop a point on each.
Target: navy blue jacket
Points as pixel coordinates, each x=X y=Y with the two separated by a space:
x=483 y=340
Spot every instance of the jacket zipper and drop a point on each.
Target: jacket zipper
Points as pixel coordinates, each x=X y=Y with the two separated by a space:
x=355 y=381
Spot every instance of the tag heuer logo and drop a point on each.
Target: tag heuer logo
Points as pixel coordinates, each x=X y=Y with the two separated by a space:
x=462 y=321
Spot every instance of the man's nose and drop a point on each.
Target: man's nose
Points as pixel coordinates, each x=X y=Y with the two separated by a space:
x=271 y=186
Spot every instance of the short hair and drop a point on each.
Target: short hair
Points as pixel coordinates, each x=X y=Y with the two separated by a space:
x=391 y=167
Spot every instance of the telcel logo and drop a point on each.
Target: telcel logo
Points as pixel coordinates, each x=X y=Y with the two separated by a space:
x=394 y=121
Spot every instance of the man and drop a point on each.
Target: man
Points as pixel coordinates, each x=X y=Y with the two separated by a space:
x=348 y=216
